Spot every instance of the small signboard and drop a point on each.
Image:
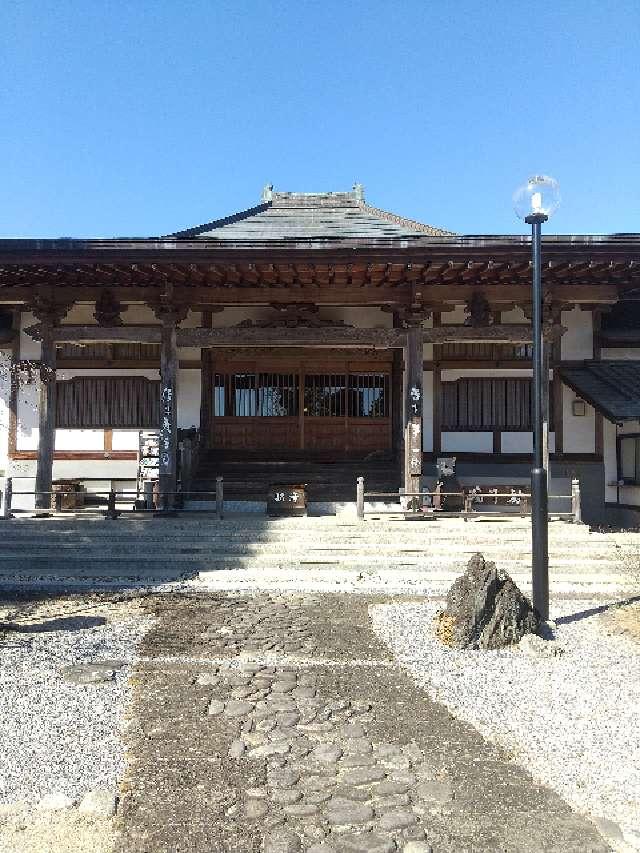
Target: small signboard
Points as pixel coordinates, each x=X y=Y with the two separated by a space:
x=287 y=499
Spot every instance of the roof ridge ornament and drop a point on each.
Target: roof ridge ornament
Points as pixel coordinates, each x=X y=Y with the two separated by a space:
x=358 y=191
x=267 y=193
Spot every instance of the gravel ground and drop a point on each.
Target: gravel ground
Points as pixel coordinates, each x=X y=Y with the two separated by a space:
x=572 y=721
x=58 y=737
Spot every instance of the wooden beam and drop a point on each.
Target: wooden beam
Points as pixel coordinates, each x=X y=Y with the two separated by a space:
x=320 y=336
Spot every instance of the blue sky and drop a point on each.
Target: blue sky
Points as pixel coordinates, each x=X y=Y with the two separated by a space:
x=138 y=118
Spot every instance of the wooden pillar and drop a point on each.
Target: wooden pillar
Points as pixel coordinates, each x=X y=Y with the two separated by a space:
x=168 y=464
x=206 y=386
x=46 y=419
x=413 y=403
x=397 y=425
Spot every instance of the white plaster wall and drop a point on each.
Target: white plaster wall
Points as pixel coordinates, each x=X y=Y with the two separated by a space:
x=516 y=442
x=522 y=442
x=140 y=313
x=579 y=433
x=469 y=442
x=577 y=341
x=470 y=373
x=427 y=349
x=514 y=315
x=27 y=417
x=124 y=439
x=620 y=354
x=79 y=439
x=427 y=411
x=81 y=314
x=188 y=398
x=455 y=317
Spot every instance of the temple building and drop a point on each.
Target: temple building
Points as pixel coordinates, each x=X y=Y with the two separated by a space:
x=317 y=336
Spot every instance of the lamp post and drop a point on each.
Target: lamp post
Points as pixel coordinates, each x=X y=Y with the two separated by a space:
x=535 y=202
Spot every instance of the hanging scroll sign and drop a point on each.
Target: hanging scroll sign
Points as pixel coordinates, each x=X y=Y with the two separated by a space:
x=165 y=429
x=415 y=430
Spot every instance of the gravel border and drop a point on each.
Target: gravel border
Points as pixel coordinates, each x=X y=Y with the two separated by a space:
x=572 y=720
x=57 y=737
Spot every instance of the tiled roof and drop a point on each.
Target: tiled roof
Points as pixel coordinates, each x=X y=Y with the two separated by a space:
x=611 y=387
x=309 y=216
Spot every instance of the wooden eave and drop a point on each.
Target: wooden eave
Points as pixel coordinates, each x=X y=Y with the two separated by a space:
x=380 y=270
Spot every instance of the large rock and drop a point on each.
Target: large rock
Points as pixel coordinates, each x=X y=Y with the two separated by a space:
x=485 y=610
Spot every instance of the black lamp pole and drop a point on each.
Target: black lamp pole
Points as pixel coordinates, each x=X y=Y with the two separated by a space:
x=540 y=498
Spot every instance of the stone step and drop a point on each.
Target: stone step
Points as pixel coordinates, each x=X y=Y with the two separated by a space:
x=34 y=564
x=274 y=550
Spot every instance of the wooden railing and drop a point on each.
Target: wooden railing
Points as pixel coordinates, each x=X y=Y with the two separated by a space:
x=470 y=497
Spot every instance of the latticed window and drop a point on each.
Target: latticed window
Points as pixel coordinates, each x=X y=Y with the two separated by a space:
x=488 y=404
x=267 y=395
x=369 y=395
x=325 y=395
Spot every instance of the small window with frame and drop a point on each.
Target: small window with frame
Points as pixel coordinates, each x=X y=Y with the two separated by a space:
x=629 y=460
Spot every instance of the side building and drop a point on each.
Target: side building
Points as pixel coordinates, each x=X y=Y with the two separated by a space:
x=314 y=327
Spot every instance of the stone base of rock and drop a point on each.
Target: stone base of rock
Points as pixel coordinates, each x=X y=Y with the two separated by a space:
x=485 y=610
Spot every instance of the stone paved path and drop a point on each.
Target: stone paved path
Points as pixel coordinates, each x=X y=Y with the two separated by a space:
x=279 y=723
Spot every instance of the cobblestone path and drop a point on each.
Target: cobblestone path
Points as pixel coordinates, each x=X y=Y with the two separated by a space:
x=279 y=723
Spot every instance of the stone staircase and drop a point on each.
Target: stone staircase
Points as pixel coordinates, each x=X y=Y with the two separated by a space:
x=325 y=552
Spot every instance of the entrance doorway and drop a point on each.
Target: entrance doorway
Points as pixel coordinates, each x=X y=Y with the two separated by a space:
x=300 y=401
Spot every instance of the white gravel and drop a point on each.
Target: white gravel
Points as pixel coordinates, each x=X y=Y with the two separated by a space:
x=57 y=737
x=572 y=721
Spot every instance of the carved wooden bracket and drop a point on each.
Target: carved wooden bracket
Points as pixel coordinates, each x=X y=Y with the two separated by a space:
x=413 y=316
x=169 y=311
x=478 y=311
x=108 y=309
x=49 y=311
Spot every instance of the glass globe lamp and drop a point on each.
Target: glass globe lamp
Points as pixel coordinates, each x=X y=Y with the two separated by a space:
x=538 y=199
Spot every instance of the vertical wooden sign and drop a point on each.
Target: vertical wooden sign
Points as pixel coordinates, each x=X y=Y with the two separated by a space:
x=413 y=405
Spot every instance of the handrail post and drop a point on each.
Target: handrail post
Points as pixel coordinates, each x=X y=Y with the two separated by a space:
x=111 y=506
x=7 y=493
x=148 y=494
x=220 y=497
x=360 y=498
x=576 y=503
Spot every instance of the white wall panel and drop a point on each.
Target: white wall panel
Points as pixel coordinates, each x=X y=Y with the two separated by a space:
x=125 y=439
x=578 y=433
x=620 y=353
x=577 y=341
x=522 y=442
x=467 y=442
x=188 y=398
x=28 y=347
x=79 y=439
